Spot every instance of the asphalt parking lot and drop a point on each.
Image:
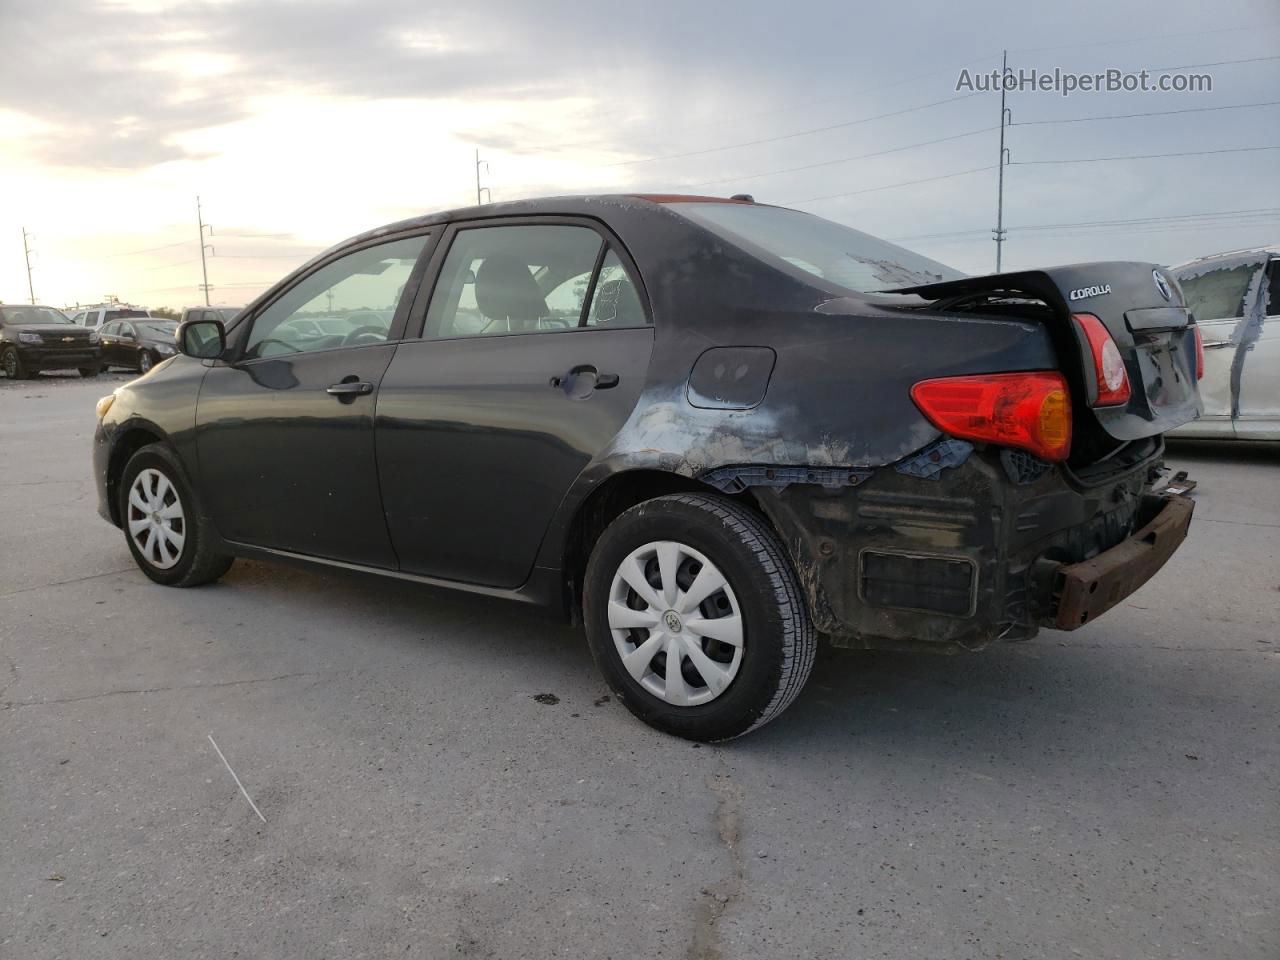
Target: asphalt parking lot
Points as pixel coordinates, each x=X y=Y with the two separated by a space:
x=446 y=776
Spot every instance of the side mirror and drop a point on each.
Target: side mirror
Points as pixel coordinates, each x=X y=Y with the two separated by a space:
x=202 y=339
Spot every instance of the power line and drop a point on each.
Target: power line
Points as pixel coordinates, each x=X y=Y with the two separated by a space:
x=1154 y=113
x=130 y=253
x=798 y=133
x=828 y=163
x=1249 y=211
x=1112 y=43
x=891 y=186
x=1144 y=156
x=1216 y=63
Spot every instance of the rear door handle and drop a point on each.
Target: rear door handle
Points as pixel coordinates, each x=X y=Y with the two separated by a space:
x=583 y=379
x=350 y=389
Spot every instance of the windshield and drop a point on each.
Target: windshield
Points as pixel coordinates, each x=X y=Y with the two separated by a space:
x=841 y=255
x=124 y=314
x=21 y=315
x=165 y=328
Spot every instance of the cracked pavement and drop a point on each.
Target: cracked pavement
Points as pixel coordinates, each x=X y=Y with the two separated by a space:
x=1111 y=793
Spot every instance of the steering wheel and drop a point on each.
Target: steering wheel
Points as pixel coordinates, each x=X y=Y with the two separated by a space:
x=375 y=333
x=280 y=343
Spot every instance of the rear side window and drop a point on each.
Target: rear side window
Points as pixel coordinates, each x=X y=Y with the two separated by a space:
x=535 y=278
x=1218 y=294
x=616 y=302
x=513 y=279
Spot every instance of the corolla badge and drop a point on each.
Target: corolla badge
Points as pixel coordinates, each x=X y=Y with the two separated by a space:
x=1094 y=291
x=1162 y=285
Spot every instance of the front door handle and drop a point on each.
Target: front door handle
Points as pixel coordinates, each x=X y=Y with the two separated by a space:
x=349 y=389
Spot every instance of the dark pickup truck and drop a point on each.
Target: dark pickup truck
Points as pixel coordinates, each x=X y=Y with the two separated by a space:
x=712 y=430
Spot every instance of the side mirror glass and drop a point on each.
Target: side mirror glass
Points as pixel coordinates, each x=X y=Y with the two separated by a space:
x=202 y=339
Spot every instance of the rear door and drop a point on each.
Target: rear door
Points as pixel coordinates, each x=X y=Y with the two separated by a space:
x=533 y=353
x=1219 y=298
x=1259 y=417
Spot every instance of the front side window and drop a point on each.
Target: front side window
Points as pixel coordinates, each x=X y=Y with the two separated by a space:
x=350 y=302
x=513 y=279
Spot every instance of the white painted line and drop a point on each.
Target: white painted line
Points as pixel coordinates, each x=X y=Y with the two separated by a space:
x=237 y=780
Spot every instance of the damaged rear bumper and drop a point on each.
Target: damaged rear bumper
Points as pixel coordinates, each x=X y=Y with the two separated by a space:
x=981 y=547
x=1092 y=587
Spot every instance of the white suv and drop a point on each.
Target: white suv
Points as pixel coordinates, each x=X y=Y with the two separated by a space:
x=95 y=317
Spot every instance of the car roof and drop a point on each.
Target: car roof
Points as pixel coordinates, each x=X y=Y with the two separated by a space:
x=1234 y=257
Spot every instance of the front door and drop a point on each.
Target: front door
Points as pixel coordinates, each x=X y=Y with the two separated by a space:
x=534 y=352
x=285 y=431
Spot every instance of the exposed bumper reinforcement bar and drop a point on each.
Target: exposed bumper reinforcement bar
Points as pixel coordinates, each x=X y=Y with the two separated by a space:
x=1090 y=588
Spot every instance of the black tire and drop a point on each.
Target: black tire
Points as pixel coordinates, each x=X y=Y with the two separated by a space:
x=15 y=368
x=146 y=360
x=199 y=561
x=90 y=372
x=779 y=641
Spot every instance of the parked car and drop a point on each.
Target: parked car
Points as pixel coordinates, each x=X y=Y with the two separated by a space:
x=225 y=314
x=137 y=344
x=105 y=312
x=1235 y=298
x=708 y=429
x=35 y=338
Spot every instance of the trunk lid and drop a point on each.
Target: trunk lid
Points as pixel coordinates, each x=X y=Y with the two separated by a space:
x=1142 y=308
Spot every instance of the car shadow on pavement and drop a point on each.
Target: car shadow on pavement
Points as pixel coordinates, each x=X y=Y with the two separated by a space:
x=1053 y=700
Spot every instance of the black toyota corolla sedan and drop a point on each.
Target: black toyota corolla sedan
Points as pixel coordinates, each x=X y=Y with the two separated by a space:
x=712 y=430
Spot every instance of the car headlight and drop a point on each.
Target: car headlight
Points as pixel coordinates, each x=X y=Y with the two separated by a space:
x=26 y=337
x=166 y=350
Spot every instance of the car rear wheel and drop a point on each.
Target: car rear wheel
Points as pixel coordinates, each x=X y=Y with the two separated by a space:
x=89 y=372
x=14 y=367
x=145 y=361
x=167 y=533
x=695 y=617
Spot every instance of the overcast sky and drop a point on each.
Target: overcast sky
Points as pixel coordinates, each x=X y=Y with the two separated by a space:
x=300 y=123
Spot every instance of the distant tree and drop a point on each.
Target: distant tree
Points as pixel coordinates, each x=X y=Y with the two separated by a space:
x=167 y=312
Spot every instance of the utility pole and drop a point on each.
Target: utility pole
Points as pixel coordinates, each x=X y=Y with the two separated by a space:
x=26 y=252
x=480 y=189
x=1005 y=118
x=204 y=270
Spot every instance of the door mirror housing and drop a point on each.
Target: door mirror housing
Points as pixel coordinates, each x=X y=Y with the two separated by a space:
x=202 y=339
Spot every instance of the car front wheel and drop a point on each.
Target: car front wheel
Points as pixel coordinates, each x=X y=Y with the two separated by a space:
x=14 y=367
x=695 y=617
x=90 y=372
x=167 y=534
x=145 y=361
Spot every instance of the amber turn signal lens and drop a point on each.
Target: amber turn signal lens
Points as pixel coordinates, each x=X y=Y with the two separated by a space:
x=103 y=405
x=1030 y=411
x=1199 y=352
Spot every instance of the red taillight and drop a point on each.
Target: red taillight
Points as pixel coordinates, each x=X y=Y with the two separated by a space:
x=1108 y=365
x=1031 y=411
x=1199 y=352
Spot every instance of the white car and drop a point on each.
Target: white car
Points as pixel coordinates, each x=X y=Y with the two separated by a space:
x=95 y=317
x=1235 y=298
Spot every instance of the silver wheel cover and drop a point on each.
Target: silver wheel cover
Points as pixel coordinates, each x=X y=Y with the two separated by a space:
x=155 y=519
x=676 y=623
